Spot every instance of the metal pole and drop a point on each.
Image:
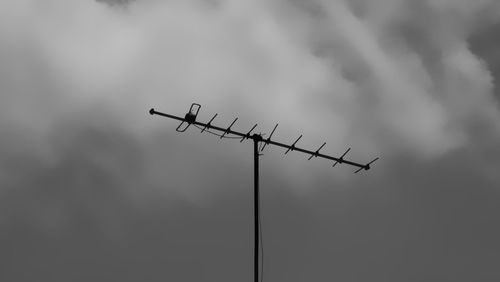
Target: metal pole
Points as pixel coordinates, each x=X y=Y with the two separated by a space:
x=256 y=140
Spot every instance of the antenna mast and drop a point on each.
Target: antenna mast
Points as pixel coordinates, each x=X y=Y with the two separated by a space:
x=190 y=119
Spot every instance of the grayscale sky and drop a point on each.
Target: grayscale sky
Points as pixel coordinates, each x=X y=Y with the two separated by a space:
x=93 y=188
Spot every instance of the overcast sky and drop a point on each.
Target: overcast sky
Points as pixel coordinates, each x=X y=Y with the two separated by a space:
x=93 y=188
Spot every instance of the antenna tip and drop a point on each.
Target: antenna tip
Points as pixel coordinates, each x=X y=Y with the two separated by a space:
x=152 y=111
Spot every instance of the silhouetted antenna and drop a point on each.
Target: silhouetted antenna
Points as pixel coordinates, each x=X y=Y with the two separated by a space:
x=190 y=118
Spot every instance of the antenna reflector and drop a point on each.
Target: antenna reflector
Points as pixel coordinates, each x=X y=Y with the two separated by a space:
x=368 y=164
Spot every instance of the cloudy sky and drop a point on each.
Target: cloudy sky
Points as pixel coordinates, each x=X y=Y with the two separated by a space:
x=93 y=188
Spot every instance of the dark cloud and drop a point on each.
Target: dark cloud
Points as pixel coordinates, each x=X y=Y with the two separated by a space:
x=486 y=45
x=94 y=188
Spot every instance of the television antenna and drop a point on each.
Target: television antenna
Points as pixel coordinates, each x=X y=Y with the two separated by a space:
x=258 y=139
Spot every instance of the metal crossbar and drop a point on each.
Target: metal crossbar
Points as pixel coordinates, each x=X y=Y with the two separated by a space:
x=268 y=141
